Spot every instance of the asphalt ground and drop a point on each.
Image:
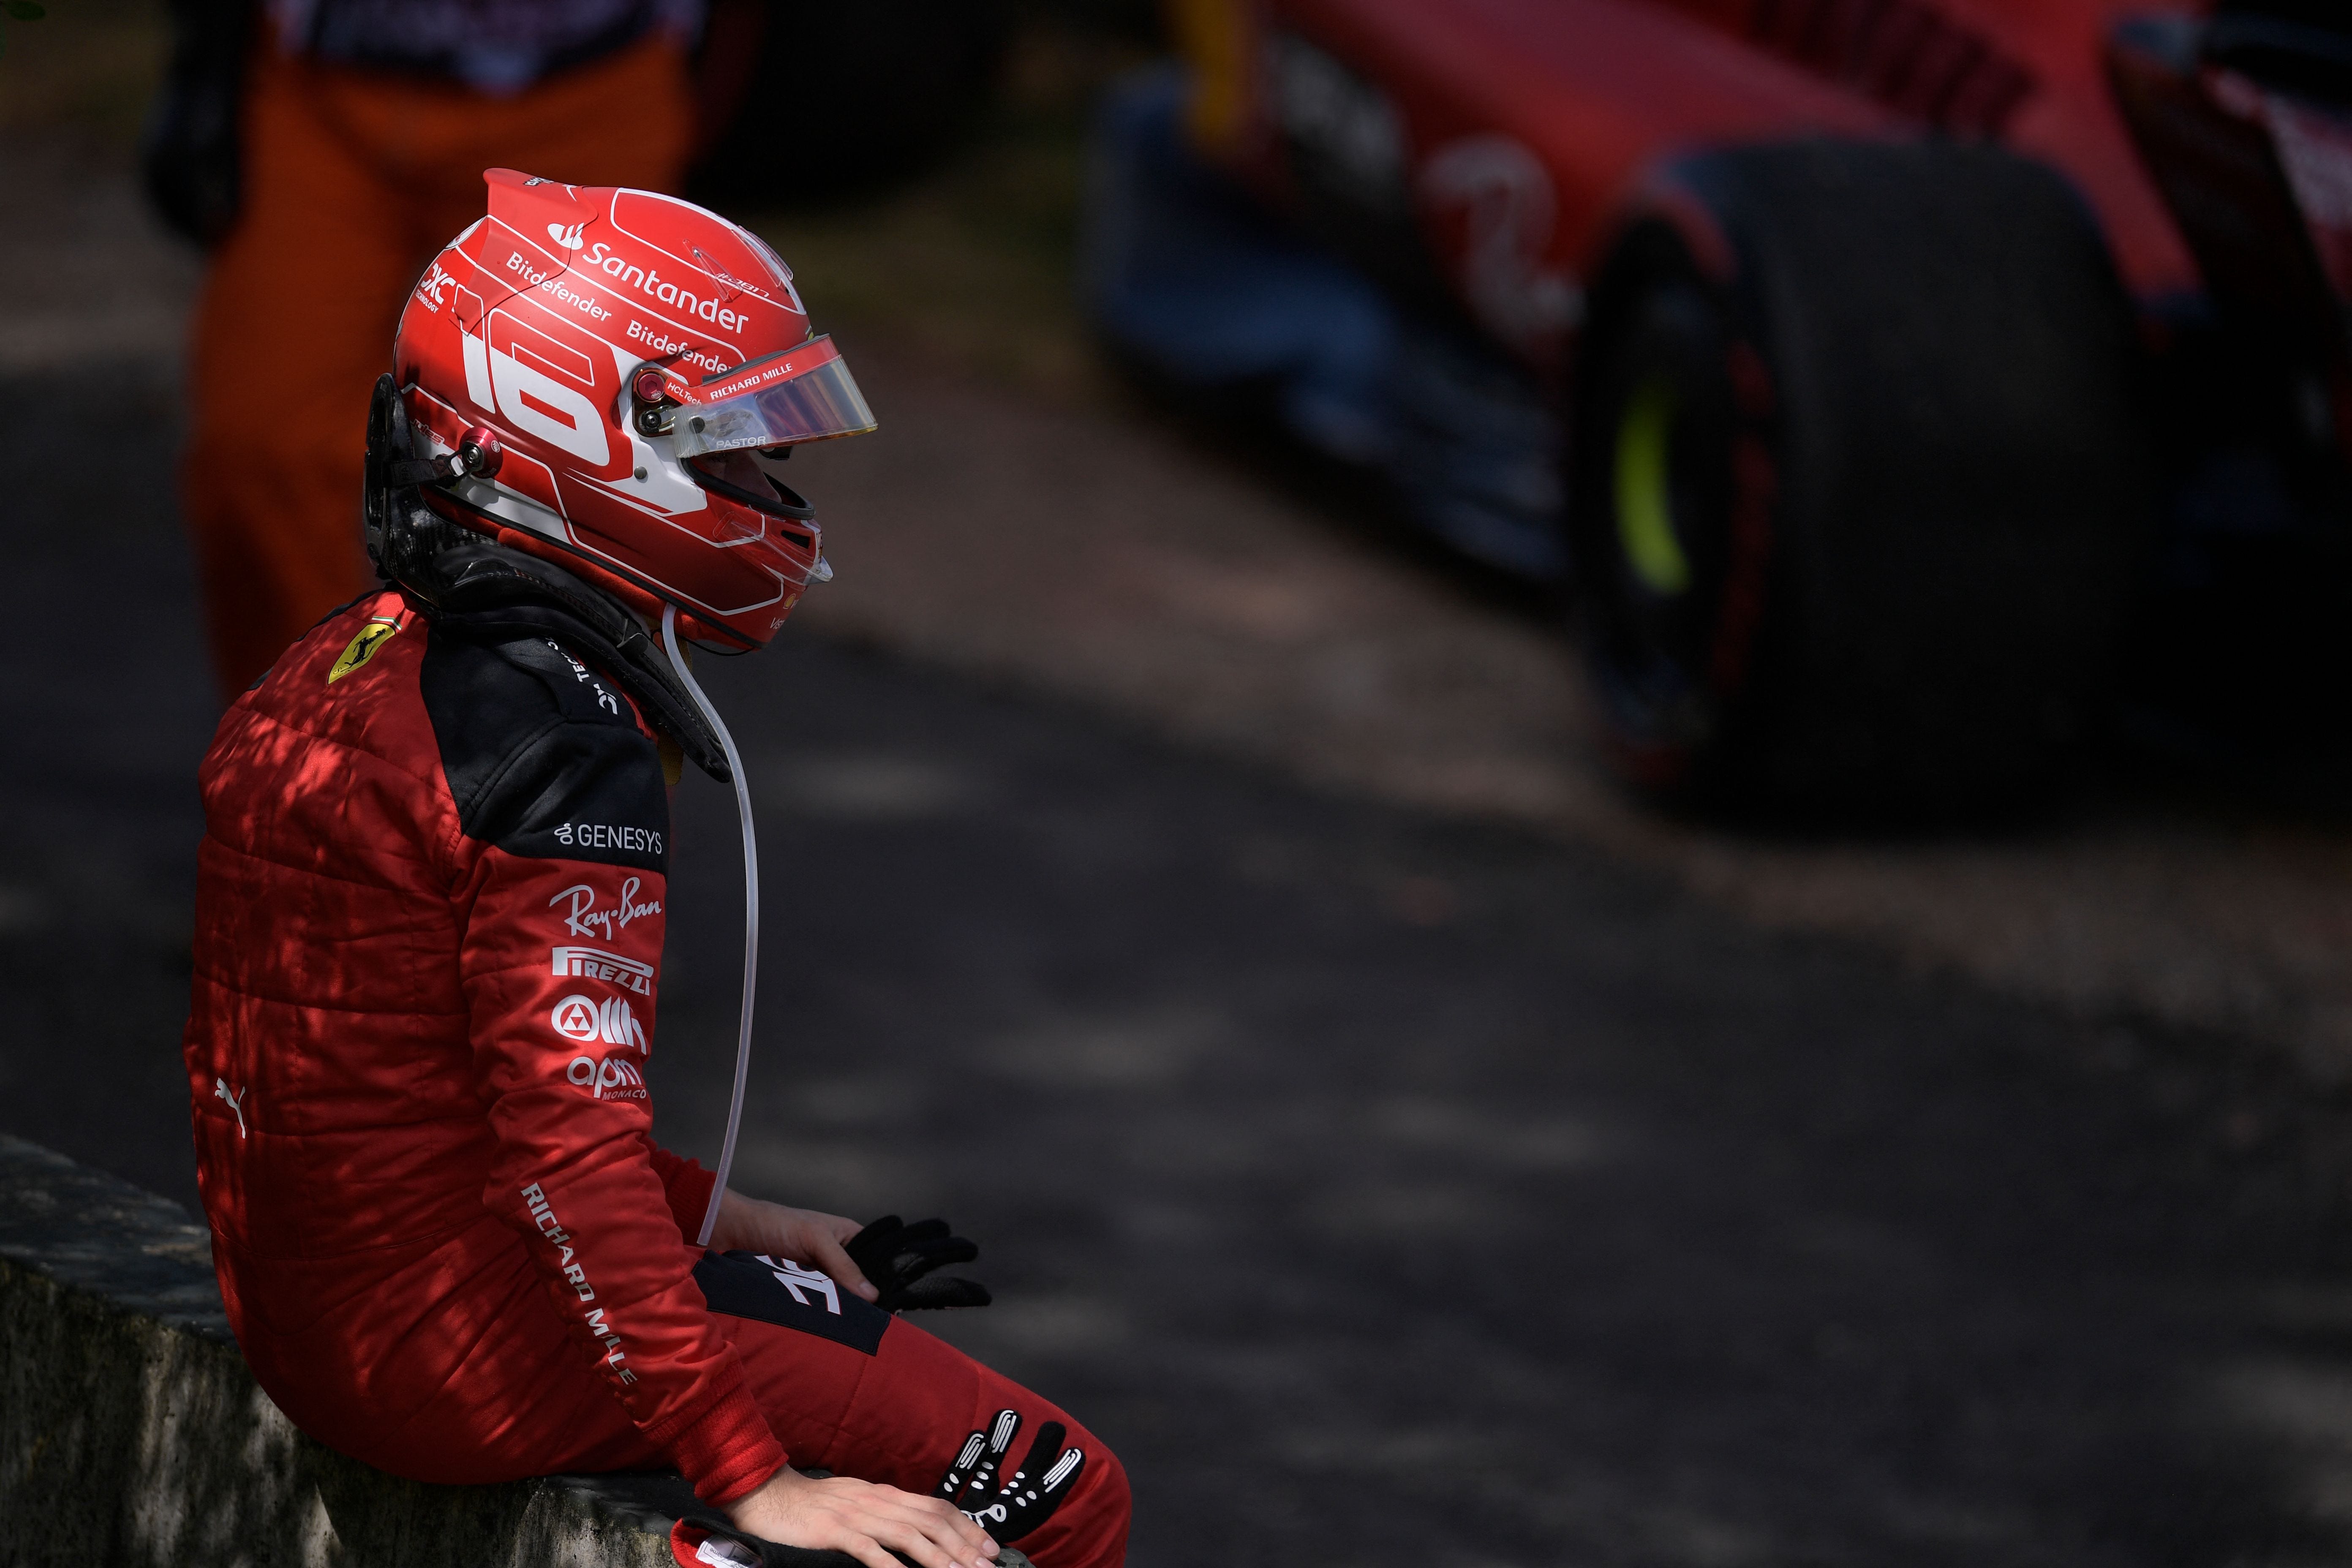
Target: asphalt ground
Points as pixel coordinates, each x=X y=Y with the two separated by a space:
x=1379 y=1185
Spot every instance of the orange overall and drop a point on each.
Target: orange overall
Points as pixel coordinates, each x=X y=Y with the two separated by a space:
x=353 y=180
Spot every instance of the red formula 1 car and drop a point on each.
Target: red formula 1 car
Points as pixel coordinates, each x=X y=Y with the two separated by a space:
x=1856 y=363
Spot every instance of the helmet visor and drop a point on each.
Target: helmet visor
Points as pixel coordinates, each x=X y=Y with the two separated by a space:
x=804 y=395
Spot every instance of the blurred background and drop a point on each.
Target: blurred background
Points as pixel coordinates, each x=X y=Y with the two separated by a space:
x=1265 y=832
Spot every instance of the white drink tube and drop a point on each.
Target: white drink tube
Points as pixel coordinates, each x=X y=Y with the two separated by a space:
x=750 y=914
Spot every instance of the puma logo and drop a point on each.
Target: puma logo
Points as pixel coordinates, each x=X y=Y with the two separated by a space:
x=235 y=1101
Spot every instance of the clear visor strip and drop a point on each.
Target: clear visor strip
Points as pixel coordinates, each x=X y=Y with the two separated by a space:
x=751 y=917
x=819 y=404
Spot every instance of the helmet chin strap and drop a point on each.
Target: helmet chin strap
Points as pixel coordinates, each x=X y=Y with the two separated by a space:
x=750 y=915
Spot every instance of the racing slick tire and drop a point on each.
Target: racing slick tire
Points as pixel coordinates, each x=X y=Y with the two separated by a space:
x=1862 y=481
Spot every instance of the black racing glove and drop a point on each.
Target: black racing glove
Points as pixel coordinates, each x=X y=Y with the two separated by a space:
x=1010 y=1505
x=897 y=1256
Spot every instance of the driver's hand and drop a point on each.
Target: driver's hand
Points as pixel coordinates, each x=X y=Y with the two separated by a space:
x=809 y=1239
x=866 y=1520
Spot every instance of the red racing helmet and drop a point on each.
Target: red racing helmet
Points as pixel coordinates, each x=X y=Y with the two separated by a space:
x=600 y=372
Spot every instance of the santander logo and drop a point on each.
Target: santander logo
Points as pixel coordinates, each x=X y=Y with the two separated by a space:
x=567 y=238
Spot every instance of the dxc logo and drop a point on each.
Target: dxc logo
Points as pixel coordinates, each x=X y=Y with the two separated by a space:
x=434 y=289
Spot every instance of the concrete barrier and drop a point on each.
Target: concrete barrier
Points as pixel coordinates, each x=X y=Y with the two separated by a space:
x=130 y=1433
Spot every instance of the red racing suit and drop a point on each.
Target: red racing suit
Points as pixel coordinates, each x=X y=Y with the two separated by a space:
x=428 y=945
x=430 y=923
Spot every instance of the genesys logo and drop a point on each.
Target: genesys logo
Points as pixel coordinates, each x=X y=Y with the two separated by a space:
x=587 y=963
x=610 y=1078
x=610 y=835
x=611 y=1022
x=584 y=917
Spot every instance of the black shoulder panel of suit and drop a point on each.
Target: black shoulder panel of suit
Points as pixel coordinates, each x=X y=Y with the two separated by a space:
x=542 y=754
x=489 y=593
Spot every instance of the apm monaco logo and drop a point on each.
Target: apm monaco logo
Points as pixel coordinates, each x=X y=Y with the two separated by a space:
x=589 y=1021
x=610 y=1078
x=588 y=963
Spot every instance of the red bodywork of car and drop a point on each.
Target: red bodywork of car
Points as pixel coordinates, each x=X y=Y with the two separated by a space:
x=1530 y=132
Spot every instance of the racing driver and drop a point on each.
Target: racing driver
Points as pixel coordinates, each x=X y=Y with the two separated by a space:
x=429 y=938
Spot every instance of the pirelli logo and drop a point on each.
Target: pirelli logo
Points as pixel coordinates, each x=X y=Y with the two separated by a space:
x=588 y=963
